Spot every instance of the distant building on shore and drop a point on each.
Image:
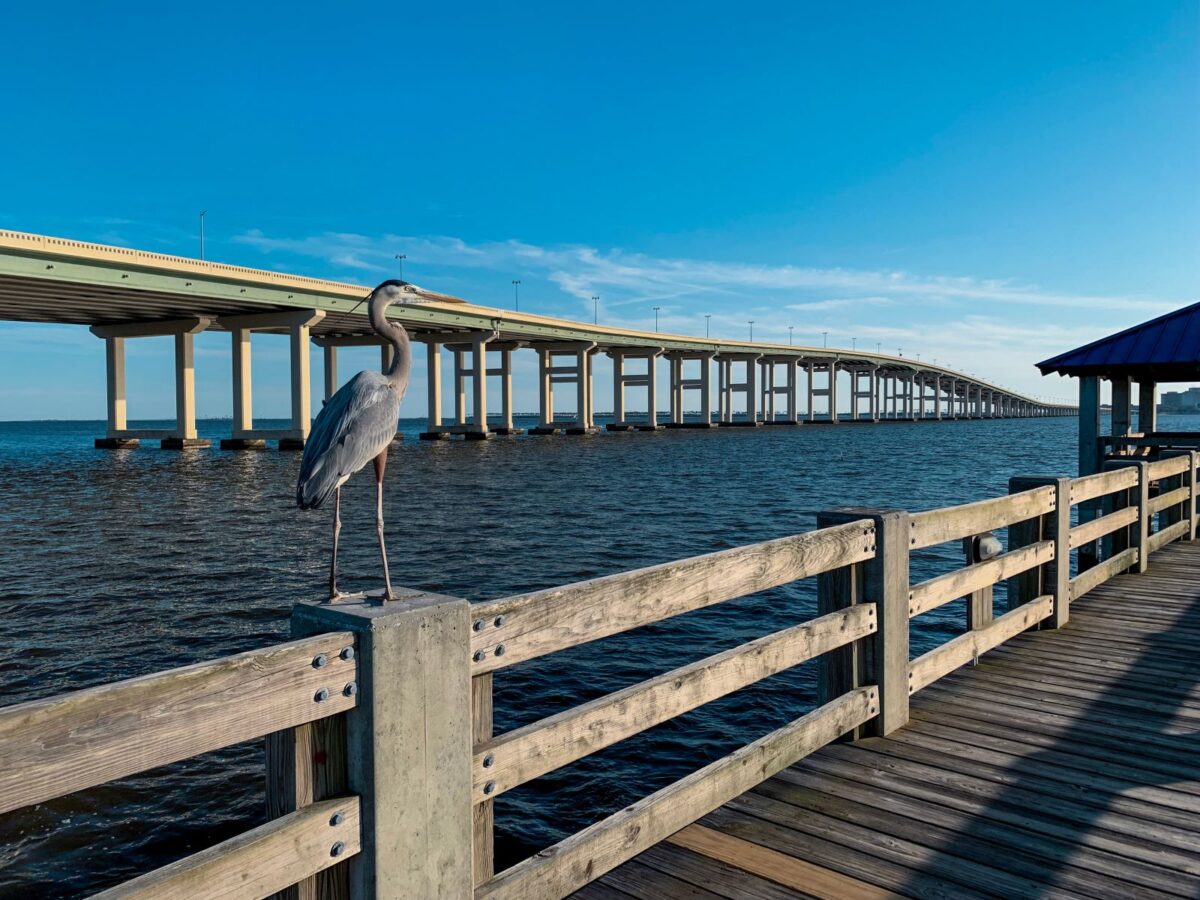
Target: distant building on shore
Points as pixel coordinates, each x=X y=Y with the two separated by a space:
x=1180 y=401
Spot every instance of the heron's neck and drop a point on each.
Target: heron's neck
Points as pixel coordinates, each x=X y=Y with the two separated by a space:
x=395 y=334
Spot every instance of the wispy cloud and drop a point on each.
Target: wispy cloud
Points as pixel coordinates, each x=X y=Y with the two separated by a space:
x=581 y=272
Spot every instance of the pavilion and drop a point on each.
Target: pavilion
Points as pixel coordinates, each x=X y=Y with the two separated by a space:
x=1166 y=349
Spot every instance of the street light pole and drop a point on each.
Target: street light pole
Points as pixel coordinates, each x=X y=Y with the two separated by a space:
x=853 y=343
x=656 y=309
x=202 y=212
x=825 y=339
x=790 y=327
x=595 y=309
x=707 y=316
x=516 y=294
x=400 y=258
x=751 y=324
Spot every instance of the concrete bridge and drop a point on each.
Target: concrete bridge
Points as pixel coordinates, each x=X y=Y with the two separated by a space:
x=123 y=294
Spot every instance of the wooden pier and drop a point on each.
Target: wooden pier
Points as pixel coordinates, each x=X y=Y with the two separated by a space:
x=1066 y=764
x=1063 y=764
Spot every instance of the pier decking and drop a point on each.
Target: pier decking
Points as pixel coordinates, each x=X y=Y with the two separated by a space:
x=1067 y=763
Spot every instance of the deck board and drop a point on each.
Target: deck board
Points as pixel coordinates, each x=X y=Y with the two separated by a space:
x=1066 y=764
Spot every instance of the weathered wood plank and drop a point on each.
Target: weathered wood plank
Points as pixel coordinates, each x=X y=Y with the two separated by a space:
x=798 y=874
x=484 y=815
x=1090 y=487
x=548 y=744
x=1097 y=528
x=259 y=862
x=1102 y=572
x=945 y=588
x=517 y=628
x=937 y=526
x=573 y=862
x=1170 y=498
x=1171 y=533
x=970 y=646
x=73 y=741
x=1168 y=466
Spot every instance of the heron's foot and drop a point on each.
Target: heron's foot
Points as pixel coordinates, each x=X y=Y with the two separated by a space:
x=336 y=596
x=388 y=596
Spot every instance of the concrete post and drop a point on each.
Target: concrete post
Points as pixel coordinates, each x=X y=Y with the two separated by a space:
x=652 y=391
x=581 y=392
x=506 y=390
x=301 y=390
x=460 y=389
x=408 y=742
x=546 y=389
x=706 y=389
x=833 y=398
x=618 y=359
x=331 y=373
x=185 y=387
x=479 y=388
x=243 y=410
x=812 y=416
x=433 y=368
x=793 y=394
x=751 y=391
x=114 y=358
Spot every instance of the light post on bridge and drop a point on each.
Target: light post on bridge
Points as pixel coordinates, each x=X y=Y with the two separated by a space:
x=656 y=309
x=707 y=316
x=400 y=258
x=516 y=294
x=790 y=327
x=751 y=324
x=825 y=339
x=203 y=212
x=595 y=309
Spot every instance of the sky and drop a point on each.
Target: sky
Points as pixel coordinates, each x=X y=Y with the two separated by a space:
x=983 y=184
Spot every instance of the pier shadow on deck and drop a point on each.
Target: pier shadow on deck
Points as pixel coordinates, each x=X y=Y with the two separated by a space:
x=1067 y=764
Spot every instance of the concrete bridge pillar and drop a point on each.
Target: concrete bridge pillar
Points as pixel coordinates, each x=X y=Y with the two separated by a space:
x=623 y=379
x=702 y=383
x=748 y=388
x=117 y=434
x=579 y=374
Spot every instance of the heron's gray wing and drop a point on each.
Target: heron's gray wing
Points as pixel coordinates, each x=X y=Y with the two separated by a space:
x=355 y=425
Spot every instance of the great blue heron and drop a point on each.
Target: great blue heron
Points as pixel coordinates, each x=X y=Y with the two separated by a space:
x=356 y=426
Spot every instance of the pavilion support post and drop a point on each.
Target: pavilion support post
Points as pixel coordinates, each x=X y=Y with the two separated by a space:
x=1122 y=407
x=1089 y=425
x=408 y=742
x=882 y=658
x=1147 y=407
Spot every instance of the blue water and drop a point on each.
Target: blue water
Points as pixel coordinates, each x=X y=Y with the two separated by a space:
x=120 y=563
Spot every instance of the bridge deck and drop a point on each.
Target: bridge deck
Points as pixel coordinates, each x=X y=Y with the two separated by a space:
x=1066 y=764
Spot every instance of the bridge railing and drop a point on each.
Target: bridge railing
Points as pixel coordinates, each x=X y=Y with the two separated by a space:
x=382 y=765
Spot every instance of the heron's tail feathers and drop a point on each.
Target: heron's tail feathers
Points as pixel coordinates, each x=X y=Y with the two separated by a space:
x=315 y=487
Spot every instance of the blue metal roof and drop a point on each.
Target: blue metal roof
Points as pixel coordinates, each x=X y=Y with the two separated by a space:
x=1163 y=349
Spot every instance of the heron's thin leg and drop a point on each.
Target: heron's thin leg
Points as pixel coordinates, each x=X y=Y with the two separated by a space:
x=337 y=529
x=380 y=464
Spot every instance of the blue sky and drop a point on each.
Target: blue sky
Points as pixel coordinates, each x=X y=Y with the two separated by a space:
x=984 y=184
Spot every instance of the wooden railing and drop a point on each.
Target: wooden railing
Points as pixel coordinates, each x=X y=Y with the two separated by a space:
x=382 y=764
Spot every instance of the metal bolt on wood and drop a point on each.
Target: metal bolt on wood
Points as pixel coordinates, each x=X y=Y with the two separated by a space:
x=322 y=695
x=477 y=625
x=348 y=653
x=500 y=650
x=350 y=689
x=337 y=849
x=489 y=761
x=499 y=621
x=479 y=656
x=321 y=661
x=336 y=819
x=489 y=787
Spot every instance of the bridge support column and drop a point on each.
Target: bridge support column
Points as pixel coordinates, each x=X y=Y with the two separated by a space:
x=748 y=388
x=578 y=374
x=681 y=384
x=433 y=369
x=623 y=379
x=183 y=436
x=296 y=324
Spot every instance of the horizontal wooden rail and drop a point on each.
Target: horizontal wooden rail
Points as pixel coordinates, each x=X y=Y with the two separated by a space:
x=1168 y=466
x=945 y=588
x=588 y=854
x=943 y=660
x=258 y=863
x=1093 y=529
x=526 y=626
x=951 y=523
x=540 y=747
x=1101 y=572
x=1169 y=499
x=74 y=741
x=1160 y=539
x=1089 y=487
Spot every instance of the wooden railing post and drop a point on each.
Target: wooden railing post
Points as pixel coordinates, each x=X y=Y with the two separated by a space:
x=407 y=742
x=882 y=658
x=1138 y=533
x=1055 y=577
x=1190 y=507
